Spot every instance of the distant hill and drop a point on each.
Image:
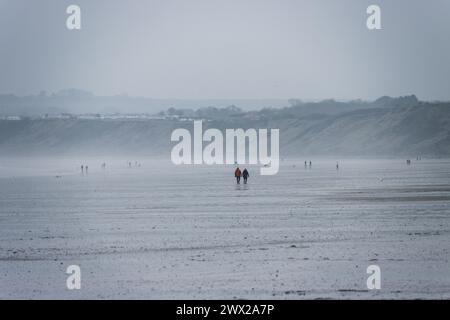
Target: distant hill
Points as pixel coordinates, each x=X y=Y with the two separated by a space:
x=80 y=101
x=386 y=127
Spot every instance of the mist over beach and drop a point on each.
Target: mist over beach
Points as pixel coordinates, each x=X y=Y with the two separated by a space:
x=140 y=226
x=241 y=149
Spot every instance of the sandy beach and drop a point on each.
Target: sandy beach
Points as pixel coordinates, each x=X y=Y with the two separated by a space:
x=162 y=231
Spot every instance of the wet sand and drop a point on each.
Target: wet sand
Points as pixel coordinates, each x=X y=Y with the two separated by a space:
x=163 y=231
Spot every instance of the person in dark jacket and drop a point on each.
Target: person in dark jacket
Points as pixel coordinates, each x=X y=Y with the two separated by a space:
x=245 y=175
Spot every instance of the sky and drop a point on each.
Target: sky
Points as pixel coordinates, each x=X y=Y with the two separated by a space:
x=215 y=49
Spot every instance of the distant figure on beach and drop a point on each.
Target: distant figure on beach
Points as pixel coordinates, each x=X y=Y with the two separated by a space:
x=337 y=165
x=408 y=162
x=82 y=169
x=237 y=174
x=86 y=169
x=103 y=165
x=310 y=163
x=129 y=164
x=306 y=164
x=245 y=175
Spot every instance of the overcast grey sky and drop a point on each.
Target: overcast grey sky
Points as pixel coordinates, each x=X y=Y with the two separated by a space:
x=313 y=49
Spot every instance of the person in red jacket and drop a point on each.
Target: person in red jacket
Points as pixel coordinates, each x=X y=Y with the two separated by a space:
x=237 y=174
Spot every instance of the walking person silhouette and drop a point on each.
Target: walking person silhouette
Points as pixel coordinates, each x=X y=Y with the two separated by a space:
x=245 y=175
x=237 y=175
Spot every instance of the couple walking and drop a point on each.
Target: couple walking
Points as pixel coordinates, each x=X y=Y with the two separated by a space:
x=238 y=174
